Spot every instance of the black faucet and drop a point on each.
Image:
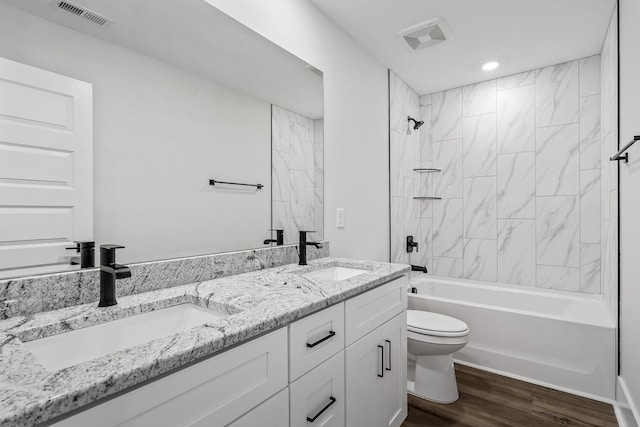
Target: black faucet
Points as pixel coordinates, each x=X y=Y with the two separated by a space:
x=87 y=258
x=411 y=244
x=109 y=273
x=279 y=240
x=302 y=247
x=418 y=268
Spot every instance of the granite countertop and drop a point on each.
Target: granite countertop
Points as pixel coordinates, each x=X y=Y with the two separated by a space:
x=257 y=302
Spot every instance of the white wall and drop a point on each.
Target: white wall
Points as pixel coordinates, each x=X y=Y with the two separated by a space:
x=629 y=201
x=159 y=134
x=356 y=119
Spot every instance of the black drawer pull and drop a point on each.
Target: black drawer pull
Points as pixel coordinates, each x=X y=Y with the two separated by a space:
x=332 y=399
x=381 y=374
x=388 y=354
x=331 y=334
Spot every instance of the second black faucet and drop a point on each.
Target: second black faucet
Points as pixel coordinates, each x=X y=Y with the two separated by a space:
x=302 y=246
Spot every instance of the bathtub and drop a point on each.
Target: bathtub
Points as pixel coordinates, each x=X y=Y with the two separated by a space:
x=561 y=340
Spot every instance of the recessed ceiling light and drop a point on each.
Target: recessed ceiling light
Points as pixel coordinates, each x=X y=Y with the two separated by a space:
x=492 y=65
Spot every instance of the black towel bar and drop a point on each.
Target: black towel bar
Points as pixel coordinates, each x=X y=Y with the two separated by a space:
x=214 y=182
x=620 y=156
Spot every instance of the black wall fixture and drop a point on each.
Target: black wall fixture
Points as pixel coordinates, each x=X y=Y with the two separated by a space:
x=214 y=182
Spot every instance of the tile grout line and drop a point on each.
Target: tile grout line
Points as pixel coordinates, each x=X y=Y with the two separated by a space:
x=496 y=186
x=579 y=178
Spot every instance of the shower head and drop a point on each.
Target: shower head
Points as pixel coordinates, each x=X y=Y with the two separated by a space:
x=417 y=123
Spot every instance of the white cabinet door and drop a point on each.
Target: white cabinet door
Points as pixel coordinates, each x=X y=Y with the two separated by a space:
x=376 y=373
x=393 y=403
x=46 y=166
x=317 y=398
x=211 y=393
x=364 y=379
x=272 y=413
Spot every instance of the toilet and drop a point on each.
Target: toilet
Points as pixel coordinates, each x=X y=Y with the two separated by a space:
x=431 y=340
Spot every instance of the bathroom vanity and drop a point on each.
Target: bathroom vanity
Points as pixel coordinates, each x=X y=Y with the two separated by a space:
x=323 y=344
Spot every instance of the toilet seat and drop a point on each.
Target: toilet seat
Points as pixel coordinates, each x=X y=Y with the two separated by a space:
x=434 y=324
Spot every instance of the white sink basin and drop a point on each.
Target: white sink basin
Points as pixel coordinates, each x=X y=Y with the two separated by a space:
x=335 y=273
x=70 y=348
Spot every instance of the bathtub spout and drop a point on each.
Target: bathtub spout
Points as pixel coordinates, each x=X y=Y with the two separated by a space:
x=418 y=268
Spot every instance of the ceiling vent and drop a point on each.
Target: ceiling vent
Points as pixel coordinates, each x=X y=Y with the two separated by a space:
x=425 y=34
x=82 y=12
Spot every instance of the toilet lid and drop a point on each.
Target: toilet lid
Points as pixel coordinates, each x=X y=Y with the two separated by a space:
x=428 y=323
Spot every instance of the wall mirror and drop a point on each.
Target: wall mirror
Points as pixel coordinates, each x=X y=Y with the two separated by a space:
x=167 y=99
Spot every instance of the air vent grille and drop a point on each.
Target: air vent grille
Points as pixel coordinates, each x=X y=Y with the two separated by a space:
x=68 y=7
x=425 y=34
x=82 y=12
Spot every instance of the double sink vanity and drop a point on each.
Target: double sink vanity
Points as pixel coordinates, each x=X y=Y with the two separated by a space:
x=322 y=344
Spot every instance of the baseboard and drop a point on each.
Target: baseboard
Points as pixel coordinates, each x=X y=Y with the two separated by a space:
x=536 y=382
x=624 y=417
x=626 y=410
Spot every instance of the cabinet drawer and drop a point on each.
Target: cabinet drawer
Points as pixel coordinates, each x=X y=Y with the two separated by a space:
x=314 y=339
x=319 y=394
x=366 y=312
x=272 y=413
x=211 y=393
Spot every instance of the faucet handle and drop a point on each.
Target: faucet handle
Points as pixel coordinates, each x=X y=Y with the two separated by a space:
x=111 y=247
x=108 y=253
x=411 y=244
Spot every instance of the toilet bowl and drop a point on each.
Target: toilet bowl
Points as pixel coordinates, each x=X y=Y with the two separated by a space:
x=431 y=340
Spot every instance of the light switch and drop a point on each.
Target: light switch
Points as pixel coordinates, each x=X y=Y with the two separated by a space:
x=340 y=218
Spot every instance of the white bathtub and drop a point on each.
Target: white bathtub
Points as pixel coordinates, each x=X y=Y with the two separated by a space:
x=560 y=340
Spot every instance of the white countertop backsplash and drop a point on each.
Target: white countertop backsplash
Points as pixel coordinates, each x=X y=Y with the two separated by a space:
x=30 y=295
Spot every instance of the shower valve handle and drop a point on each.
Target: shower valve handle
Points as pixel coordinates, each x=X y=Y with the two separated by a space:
x=411 y=244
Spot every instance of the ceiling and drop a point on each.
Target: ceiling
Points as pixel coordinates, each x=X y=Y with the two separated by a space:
x=200 y=39
x=521 y=35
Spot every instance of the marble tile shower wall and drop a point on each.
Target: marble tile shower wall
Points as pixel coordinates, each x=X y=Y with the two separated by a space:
x=297 y=173
x=609 y=85
x=520 y=182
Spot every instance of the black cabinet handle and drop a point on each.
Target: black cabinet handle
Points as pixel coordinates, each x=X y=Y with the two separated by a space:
x=381 y=374
x=388 y=354
x=332 y=401
x=331 y=334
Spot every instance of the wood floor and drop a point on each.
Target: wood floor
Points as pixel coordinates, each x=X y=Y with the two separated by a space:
x=492 y=400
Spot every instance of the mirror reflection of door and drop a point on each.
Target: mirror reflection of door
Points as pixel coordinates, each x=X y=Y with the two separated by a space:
x=46 y=165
